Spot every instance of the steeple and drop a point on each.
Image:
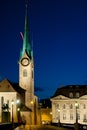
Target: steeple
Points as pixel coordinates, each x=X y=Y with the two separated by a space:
x=26 y=41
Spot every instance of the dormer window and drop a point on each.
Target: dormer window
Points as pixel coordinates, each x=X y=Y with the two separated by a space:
x=77 y=94
x=71 y=95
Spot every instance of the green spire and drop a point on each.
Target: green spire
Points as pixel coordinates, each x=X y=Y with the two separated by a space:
x=26 y=41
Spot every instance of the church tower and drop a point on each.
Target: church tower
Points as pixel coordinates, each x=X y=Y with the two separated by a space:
x=26 y=66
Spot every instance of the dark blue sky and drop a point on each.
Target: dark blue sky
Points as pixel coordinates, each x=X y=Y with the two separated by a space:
x=58 y=29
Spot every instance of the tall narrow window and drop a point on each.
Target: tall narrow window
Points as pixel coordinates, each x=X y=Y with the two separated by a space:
x=77 y=94
x=71 y=95
x=78 y=116
x=71 y=116
x=64 y=117
x=84 y=106
x=57 y=106
x=25 y=73
x=84 y=118
x=32 y=74
x=64 y=106
x=71 y=106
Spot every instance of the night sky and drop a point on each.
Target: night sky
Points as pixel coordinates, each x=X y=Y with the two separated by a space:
x=58 y=31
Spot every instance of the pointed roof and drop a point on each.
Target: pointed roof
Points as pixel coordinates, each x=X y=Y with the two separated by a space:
x=26 y=41
x=7 y=86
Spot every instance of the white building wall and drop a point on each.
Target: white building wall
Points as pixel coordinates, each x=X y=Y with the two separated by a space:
x=67 y=113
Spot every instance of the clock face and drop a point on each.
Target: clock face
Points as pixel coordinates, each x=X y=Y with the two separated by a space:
x=25 y=61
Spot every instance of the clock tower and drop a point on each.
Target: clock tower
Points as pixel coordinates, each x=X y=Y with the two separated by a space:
x=26 y=67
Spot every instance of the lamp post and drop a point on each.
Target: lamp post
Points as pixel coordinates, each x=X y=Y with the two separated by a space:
x=18 y=111
x=40 y=105
x=12 y=114
x=76 y=122
x=58 y=117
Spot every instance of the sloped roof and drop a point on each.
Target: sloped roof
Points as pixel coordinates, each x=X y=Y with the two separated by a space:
x=26 y=40
x=7 y=86
x=82 y=89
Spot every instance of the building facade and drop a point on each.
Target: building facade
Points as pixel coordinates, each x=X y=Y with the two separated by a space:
x=45 y=111
x=69 y=105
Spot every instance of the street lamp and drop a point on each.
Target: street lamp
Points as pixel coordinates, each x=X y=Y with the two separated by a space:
x=58 y=117
x=12 y=102
x=76 y=123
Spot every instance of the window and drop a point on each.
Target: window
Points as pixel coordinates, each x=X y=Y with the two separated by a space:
x=84 y=106
x=77 y=94
x=64 y=117
x=71 y=116
x=71 y=94
x=32 y=74
x=71 y=106
x=78 y=115
x=25 y=73
x=64 y=106
x=56 y=110
x=84 y=117
x=57 y=106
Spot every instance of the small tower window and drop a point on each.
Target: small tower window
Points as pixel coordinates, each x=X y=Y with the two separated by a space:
x=25 y=73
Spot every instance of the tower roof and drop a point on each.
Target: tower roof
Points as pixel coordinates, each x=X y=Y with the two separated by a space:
x=26 y=41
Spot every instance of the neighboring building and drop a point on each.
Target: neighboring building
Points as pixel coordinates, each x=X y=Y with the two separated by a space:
x=22 y=91
x=45 y=111
x=69 y=104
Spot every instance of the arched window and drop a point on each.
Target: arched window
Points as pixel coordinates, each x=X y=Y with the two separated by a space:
x=71 y=106
x=25 y=73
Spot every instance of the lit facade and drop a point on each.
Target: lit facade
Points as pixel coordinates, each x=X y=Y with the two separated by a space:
x=24 y=90
x=46 y=115
x=64 y=101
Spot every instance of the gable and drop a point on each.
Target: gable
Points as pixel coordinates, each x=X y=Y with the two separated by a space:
x=60 y=97
x=6 y=86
